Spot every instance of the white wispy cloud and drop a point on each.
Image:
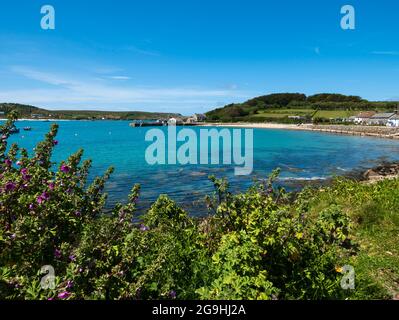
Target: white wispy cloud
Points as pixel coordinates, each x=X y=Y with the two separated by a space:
x=386 y=53
x=141 y=51
x=63 y=89
x=119 y=78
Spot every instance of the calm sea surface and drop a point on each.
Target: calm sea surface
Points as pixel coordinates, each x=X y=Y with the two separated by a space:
x=300 y=155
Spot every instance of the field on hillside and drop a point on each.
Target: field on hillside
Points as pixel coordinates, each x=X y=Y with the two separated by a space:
x=282 y=113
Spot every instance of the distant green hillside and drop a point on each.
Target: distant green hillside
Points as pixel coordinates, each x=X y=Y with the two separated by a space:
x=282 y=107
x=27 y=111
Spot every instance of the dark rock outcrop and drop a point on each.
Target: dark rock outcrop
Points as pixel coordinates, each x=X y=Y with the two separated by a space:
x=389 y=170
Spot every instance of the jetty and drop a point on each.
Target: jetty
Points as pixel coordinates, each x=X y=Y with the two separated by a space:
x=161 y=123
x=141 y=123
x=147 y=124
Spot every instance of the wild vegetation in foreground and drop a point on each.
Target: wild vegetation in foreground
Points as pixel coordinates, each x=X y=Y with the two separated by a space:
x=261 y=244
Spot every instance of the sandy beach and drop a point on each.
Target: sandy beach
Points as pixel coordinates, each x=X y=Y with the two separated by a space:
x=371 y=131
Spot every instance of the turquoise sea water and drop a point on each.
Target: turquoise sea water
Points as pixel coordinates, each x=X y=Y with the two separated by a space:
x=299 y=154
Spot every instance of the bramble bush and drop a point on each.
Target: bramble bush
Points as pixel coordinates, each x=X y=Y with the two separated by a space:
x=254 y=245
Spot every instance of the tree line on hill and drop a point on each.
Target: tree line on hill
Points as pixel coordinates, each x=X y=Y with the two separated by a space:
x=323 y=101
x=28 y=111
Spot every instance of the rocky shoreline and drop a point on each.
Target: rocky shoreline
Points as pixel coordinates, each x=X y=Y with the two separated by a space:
x=371 y=131
x=384 y=171
x=356 y=130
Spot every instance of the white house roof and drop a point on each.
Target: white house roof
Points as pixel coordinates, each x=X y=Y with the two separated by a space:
x=383 y=115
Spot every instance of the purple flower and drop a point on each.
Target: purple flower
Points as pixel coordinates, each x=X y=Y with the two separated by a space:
x=10 y=186
x=55 y=142
x=172 y=294
x=51 y=186
x=65 y=168
x=72 y=257
x=64 y=295
x=43 y=197
x=8 y=162
x=26 y=177
x=13 y=236
x=78 y=213
x=143 y=227
x=69 y=284
x=31 y=206
x=18 y=163
x=57 y=253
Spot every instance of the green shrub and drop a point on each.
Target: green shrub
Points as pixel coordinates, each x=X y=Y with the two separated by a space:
x=255 y=245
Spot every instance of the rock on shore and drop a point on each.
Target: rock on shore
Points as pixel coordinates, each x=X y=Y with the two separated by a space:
x=384 y=171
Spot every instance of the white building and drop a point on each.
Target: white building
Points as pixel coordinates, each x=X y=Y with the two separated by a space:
x=199 y=117
x=380 y=119
x=393 y=121
x=172 y=122
x=363 y=117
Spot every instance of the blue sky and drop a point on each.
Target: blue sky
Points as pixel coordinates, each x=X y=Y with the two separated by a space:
x=194 y=55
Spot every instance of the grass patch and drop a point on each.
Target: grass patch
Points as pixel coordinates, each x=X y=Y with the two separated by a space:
x=374 y=210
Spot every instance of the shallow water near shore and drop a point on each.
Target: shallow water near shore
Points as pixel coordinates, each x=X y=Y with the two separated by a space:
x=301 y=155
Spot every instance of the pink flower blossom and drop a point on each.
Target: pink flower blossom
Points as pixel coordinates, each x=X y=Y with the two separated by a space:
x=43 y=197
x=65 y=168
x=57 y=253
x=10 y=186
x=64 y=295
